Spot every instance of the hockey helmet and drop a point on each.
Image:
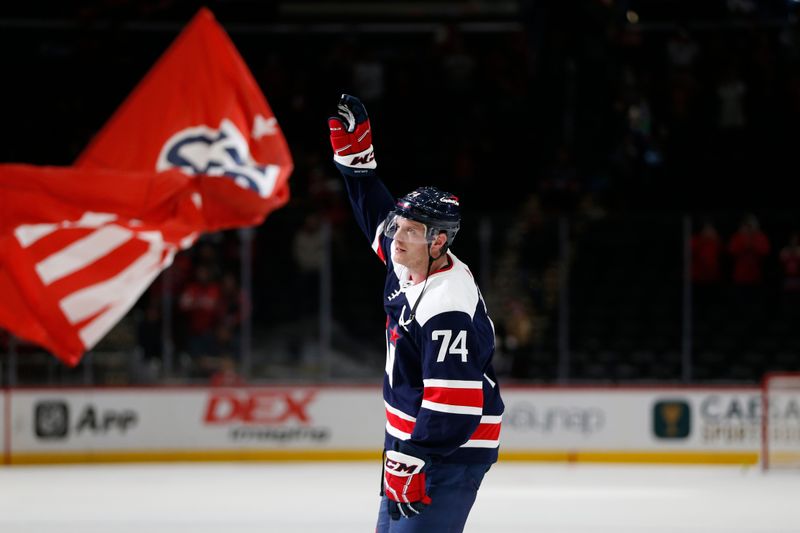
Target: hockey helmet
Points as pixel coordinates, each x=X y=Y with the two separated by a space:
x=436 y=209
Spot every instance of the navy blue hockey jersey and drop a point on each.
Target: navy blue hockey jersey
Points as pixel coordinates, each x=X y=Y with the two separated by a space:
x=440 y=391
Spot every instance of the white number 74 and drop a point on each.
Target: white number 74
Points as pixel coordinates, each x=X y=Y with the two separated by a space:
x=459 y=346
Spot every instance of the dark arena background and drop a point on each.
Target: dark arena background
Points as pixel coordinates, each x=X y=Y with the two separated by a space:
x=588 y=141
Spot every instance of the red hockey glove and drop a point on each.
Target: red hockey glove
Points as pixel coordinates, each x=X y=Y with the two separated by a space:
x=351 y=138
x=404 y=484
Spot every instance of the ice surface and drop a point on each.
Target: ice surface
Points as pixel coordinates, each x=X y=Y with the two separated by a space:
x=342 y=498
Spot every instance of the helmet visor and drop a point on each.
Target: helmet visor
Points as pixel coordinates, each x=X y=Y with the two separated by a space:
x=406 y=230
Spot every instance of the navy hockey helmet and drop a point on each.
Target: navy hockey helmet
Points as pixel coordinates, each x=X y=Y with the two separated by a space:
x=436 y=209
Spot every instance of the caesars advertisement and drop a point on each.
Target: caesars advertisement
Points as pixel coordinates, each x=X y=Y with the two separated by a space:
x=608 y=419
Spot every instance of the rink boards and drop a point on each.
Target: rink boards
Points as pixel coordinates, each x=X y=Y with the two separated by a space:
x=670 y=425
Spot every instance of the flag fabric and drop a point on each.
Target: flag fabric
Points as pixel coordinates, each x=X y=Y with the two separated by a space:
x=195 y=148
x=198 y=109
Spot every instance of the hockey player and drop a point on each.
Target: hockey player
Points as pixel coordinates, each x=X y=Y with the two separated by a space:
x=443 y=405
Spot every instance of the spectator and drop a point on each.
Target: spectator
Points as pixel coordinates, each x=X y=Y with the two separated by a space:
x=748 y=247
x=706 y=248
x=682 y=50
x=200 y=302
x=458 y=66
x=234 y=307
x=308 y=254
x=790 y=263
x=731 y=92
x=561 y=188
x=369 y=76
x=150 y=329
x=519 y=337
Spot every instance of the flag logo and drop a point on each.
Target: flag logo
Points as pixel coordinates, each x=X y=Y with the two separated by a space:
x=220 y=152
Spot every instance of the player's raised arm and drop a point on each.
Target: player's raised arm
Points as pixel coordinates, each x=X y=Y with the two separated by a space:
x=354 y=156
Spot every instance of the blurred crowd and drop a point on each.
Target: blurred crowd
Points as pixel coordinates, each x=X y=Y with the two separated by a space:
x=743 y=264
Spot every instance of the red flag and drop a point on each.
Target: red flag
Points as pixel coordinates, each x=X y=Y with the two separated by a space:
x=194 y=148
x=199 y=109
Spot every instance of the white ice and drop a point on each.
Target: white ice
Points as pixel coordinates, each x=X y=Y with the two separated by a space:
x=342 y=498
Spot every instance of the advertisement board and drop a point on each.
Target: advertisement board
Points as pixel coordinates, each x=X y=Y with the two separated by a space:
x=705 y=425
x=696 y=425
x=170 y=423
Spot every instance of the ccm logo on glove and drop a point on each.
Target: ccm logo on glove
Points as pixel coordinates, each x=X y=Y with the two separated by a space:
x=401 y=464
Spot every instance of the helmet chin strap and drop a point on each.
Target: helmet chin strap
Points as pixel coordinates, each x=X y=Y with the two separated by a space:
x=431 y=259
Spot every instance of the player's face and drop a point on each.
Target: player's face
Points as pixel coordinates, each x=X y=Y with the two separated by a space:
x=410 y=246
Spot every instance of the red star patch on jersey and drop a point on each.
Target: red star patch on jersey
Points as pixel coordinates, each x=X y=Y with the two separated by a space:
x=393 y=335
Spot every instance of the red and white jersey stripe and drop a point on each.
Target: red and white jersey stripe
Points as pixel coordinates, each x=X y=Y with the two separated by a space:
x=453 y=396
x=487 y=435
x=398 y=423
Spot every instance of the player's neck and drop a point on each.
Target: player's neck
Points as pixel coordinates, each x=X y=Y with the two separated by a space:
x=437 y=265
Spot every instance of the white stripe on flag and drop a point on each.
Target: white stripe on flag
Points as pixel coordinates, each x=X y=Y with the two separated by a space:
x=93 y=299
x=28 y=234
x=97 y=328
x=90 y=219
x=82 y=253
